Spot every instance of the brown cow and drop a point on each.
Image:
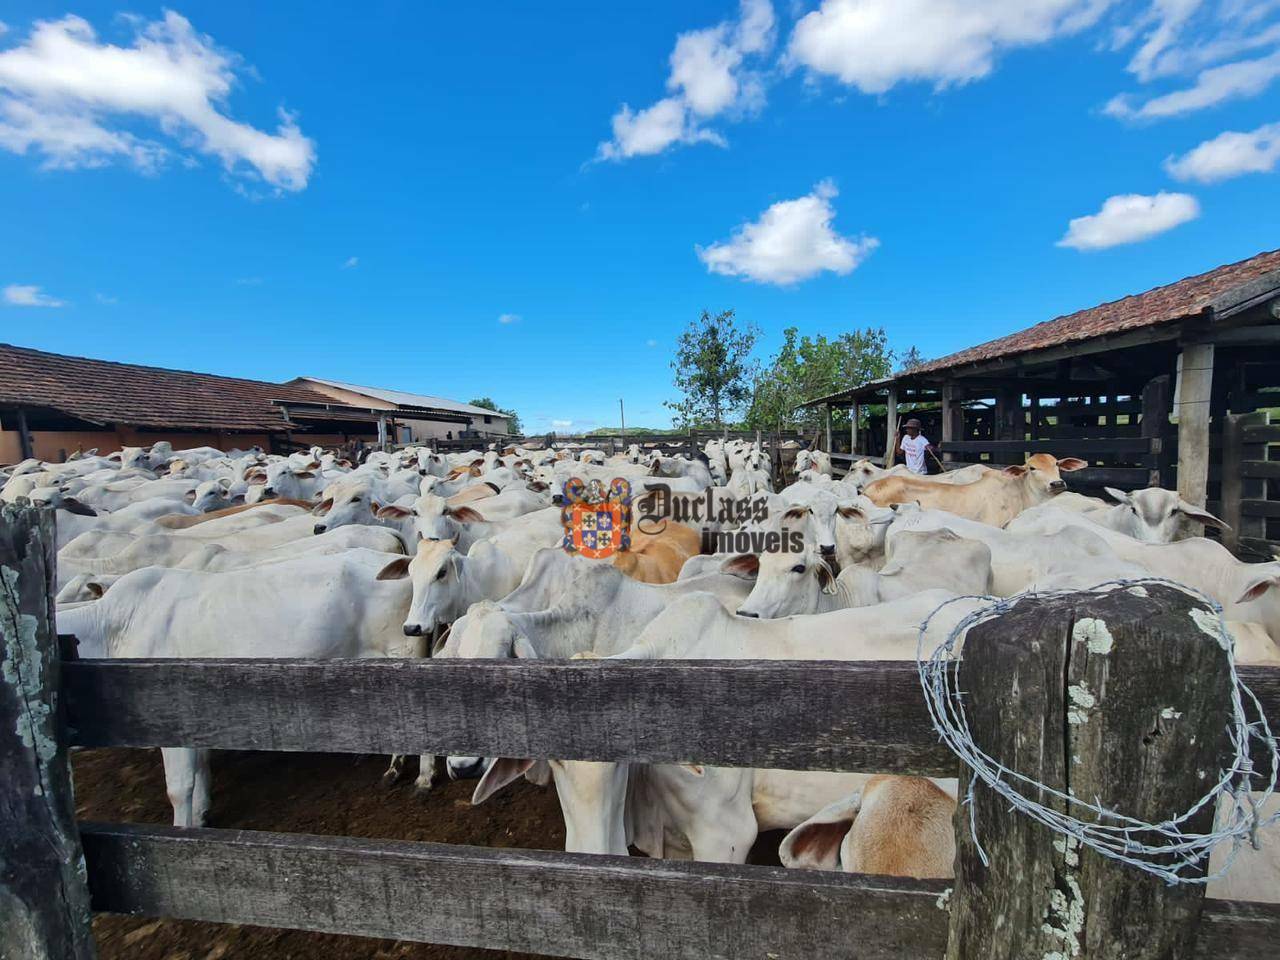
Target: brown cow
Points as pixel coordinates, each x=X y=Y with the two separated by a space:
x=995 y=498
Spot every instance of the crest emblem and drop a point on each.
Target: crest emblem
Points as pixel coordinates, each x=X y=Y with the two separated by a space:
x=596 y=518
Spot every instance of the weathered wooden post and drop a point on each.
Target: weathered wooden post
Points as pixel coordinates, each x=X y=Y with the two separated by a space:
x=1122 y=698
x=44 y=899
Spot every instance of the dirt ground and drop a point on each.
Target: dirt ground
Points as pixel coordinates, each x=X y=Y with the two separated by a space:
x=307 y=793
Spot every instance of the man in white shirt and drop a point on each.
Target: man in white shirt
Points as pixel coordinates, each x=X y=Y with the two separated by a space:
x=913 y=446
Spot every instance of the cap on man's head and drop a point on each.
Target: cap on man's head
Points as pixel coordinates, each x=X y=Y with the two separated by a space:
x=912 y=423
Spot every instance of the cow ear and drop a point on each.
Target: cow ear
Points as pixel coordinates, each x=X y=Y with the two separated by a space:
x=795 y=513
x=323 y=507
x=815 y=844
x=1201 y=516
x=72 y=505
x=1117 y=495
x=465 y=515
x=393 y=512
x=95 y=588
x=304 y=474
x=189 y=497
x=1015 y=470
x=826 y=578
x=1259 y=586
x=1072 y=463
x=850 y=513
x=500 y=773
x=745 y=565
x=397 y=569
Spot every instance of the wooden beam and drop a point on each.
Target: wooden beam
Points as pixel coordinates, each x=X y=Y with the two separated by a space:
x=24 y=436
x=1089 y=724
x=1097 y=446
x=780 y=714
x=891 y=426
x=1195 y=385
x=826 y=411
x=853 y=429
x=1157 y=403
x=44 y=903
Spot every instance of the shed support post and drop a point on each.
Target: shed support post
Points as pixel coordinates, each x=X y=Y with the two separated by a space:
x=1105 y=712
x=826 y=416
x=1156 y=405
x=952 y=419
x=890 y=426
x=853 y=430
x=1195 y=386
x=44 y=897
x=24 y=436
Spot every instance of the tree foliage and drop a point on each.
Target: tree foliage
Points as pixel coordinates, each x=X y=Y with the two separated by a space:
x=807 y=367
x=714 y=371
x=514 y=426
x=910 y=359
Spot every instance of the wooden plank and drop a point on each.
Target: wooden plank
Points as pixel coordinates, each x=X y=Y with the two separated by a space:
x=891 y=426
x=783 y=714
x=1083 y=448
x=1089 y=724
x=1262 y=434
x=1260 y=508
x=1237 y=930
x=1195 y=385
x=44 y=903
x=1109 y=477
x=566 y=905
x=1260 y=547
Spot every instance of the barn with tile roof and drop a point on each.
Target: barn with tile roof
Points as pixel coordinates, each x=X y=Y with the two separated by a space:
x=1176 y=387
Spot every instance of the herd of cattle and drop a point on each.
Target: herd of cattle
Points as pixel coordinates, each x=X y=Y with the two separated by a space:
x=205 y=553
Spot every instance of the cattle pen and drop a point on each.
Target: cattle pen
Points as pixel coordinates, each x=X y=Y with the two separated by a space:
x=55 y=872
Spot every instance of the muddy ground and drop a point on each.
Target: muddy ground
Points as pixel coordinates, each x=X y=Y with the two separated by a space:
x=307 y=793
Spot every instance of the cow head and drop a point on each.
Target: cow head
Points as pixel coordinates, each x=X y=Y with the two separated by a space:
x=1156 y=515
x=1041 y=475
x=436 y=570
x=343 y=503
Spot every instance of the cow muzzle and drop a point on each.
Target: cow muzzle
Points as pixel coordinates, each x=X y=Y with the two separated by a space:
x=465 y=768
x=1057 y=486
x=318 y=529
x=413 y=630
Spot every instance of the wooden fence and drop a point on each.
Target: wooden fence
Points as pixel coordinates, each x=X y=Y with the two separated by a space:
x=1251 y=484
x=812 y=715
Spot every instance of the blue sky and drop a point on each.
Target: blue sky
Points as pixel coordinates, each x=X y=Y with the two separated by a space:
x=241 y=189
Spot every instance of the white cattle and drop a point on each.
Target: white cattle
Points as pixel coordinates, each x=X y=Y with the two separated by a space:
x=803 y=584
x=814 y=460
x=311 y=606
x=1153 y=515
x=715 y=813
x=860 y=527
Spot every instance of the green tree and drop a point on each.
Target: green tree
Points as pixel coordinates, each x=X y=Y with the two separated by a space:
x=713 y=368
x=809 y=367
x=514 y=426
x=910 y=359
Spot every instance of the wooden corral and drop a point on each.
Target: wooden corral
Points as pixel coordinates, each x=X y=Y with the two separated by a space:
x=1167 y=388
x=813 y=715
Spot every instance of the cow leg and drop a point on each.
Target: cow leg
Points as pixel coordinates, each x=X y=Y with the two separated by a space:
x=186 y=781
x=395 y=770
x=428 y=773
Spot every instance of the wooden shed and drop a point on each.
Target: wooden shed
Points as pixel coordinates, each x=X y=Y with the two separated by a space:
x=1176 y=387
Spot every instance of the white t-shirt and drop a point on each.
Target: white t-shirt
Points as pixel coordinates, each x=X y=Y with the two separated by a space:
x=913 y=449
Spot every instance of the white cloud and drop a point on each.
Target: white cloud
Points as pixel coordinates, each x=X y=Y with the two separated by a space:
x=67 y=96
x=508 y=318
x=1229 y=154
x=25 y=295
x=248 y=281
x=876 y=44
x=104 y=298
x=1128 y=218
x=561 y=424
x=792 y=241
x=350 y=263
x=1231 y=81
x=708 y=77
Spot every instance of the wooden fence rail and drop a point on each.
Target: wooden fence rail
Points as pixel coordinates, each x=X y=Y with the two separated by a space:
x=811 y=715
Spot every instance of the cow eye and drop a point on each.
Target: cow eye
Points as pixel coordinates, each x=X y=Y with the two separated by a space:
x=440 y=575
x=798 y=568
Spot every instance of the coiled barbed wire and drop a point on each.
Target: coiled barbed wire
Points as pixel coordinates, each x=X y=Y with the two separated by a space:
x=1163 y=849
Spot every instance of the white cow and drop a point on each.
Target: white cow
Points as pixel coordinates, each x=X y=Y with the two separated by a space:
x=311 y=606
x=1153 y=515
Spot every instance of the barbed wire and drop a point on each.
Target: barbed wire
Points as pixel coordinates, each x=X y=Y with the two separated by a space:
x=1164 y=849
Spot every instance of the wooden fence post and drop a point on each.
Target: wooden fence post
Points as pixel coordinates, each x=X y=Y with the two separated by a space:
x=44 y=899
x=1091 y=695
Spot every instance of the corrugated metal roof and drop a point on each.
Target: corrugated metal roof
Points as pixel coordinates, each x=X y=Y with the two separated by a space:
x=401 y=398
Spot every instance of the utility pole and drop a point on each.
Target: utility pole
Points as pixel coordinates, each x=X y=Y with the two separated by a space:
x=622 y=414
